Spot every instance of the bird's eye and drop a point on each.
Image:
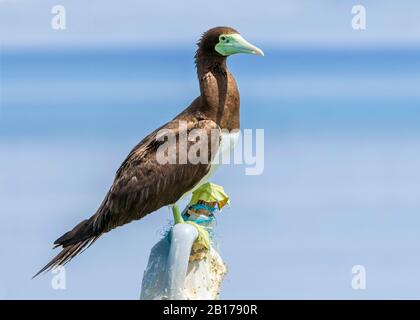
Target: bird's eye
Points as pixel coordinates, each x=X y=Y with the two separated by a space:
x=223 y=38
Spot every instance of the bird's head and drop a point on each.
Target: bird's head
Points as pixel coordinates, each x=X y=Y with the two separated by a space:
x=225 y=41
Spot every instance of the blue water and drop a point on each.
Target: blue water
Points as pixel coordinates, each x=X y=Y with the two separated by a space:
x=341 y=184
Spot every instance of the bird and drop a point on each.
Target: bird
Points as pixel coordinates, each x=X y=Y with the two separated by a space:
x=142 y=184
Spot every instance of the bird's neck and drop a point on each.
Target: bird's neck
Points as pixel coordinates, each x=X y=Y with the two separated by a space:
x=219 y=99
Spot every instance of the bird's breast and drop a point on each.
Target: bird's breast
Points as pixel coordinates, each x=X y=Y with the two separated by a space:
x=228 y=141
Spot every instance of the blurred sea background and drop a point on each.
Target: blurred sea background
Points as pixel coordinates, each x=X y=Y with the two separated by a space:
x=341 y=182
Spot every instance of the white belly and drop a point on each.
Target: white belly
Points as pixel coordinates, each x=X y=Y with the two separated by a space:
x=228 y=142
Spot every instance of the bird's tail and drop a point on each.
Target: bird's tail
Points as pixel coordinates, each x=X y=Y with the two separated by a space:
x=73 y=242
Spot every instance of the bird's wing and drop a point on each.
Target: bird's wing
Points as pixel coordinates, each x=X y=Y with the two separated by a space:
x=143 y=185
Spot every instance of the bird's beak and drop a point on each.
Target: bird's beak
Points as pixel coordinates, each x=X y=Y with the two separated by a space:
x=234 y=43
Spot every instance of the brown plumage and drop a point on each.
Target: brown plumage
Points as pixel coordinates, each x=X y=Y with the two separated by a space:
x=141 y=184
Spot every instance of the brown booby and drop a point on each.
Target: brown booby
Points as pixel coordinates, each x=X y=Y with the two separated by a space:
x=142 y=184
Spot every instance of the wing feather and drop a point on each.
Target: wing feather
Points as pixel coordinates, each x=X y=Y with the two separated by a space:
x=143 y=185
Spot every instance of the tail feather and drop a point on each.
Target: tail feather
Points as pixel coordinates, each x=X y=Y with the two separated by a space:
x=81 y=237
x=66 y=254
x=81 y=232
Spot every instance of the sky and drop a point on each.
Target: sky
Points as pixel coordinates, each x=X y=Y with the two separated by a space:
x=341 y=180
x=25 y=23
